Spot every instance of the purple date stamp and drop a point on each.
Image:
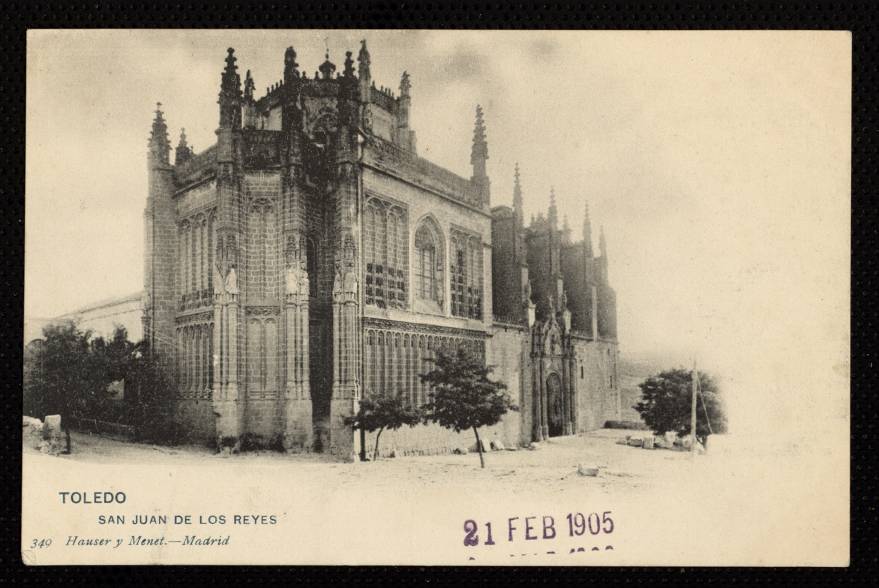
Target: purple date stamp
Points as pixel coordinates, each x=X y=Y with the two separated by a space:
x=520 y=531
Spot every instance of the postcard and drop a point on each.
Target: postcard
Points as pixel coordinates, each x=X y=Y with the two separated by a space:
x=437 y=297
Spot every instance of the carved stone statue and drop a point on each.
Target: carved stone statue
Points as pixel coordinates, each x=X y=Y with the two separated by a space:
x=292 y=279
x=219 y=282
x=231 y=281
x=349 y=285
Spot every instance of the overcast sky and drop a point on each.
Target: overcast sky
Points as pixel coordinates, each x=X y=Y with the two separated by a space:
x=718 y=163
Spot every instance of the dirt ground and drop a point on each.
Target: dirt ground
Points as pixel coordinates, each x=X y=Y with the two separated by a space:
x=732 y=501
x=552 y=466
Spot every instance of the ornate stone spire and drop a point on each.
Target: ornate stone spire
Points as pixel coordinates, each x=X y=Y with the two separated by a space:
x=183 y=152
x=553 y=214
x=478 y=157
x=479 y=151
x=405 y=85
x=159 y=145
x=349 y=65
x=518 y=205
x=327 y=68
x=566 y=230
x=230 y=93
x=363 y=60
x=587 y=231
x=249 y=87
x=291 y=68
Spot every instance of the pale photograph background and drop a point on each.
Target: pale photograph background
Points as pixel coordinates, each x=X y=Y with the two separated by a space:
x=717 y=162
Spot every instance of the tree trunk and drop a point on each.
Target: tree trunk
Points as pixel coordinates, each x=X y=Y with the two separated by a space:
x=377 y=436
x=479 y=448
x=362 y=444
x=67 y=436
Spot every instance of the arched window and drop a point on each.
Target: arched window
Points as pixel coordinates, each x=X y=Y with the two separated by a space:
x=262 y=250
x=429 y=285
x=385 y=254
x=466 y=270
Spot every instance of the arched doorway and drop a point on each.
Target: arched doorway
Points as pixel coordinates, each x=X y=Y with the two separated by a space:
x=555 y=405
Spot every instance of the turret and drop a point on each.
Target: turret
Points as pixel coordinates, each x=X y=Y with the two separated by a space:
x=405 y=136
x=518 y=208
x=479 y=157
x=327 y=68
x=230 y=94
x=183 y=153
x=159 y=145
x=587 y=232
x=404 y=101
x=291 y=68
x=249 y=102
x=363 y=73
x=159 y=244
x=553 y=215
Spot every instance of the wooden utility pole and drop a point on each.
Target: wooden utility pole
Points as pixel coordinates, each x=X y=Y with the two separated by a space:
x=693 y=411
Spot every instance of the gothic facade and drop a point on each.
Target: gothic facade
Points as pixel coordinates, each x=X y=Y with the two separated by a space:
x=310 y=258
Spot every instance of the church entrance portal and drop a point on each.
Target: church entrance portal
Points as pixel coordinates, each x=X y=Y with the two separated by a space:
x=555 y=406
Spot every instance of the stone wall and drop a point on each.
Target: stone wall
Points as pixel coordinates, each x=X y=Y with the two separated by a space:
x=594 y=378
x=509 y=351
x=195 y=421
x=264 y=420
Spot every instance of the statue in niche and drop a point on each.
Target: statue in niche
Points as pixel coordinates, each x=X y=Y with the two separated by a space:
x=527 y=292
x=337 y=280
x=564 y=300
x=231 y=285
x=219 y=282
x=349 y=284
x=292 y=276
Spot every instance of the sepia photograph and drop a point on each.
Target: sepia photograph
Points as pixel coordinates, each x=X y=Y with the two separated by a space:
x=437 y=297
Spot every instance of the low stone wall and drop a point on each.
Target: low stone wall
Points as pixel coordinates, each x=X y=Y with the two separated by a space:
x=433 y=439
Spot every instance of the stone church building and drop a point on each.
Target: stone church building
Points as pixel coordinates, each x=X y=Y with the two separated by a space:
x=311 y=258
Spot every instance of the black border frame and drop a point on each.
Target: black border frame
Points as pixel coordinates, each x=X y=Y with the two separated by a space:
x=17 y=17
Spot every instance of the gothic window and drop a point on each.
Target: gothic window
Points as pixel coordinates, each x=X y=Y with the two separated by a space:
x=193 y=270
x=428 y=263
x=385 y=254
x=311 y=256
x=198 y=254
x=209 y=276
x=262 y=355
x=458 y=284
x=466 y=270
x=261 y=226
x=183 y=258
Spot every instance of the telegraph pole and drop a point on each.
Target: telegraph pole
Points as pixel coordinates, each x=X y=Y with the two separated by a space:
x=693 y=412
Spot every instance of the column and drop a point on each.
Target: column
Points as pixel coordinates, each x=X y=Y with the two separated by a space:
x=299 y=433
